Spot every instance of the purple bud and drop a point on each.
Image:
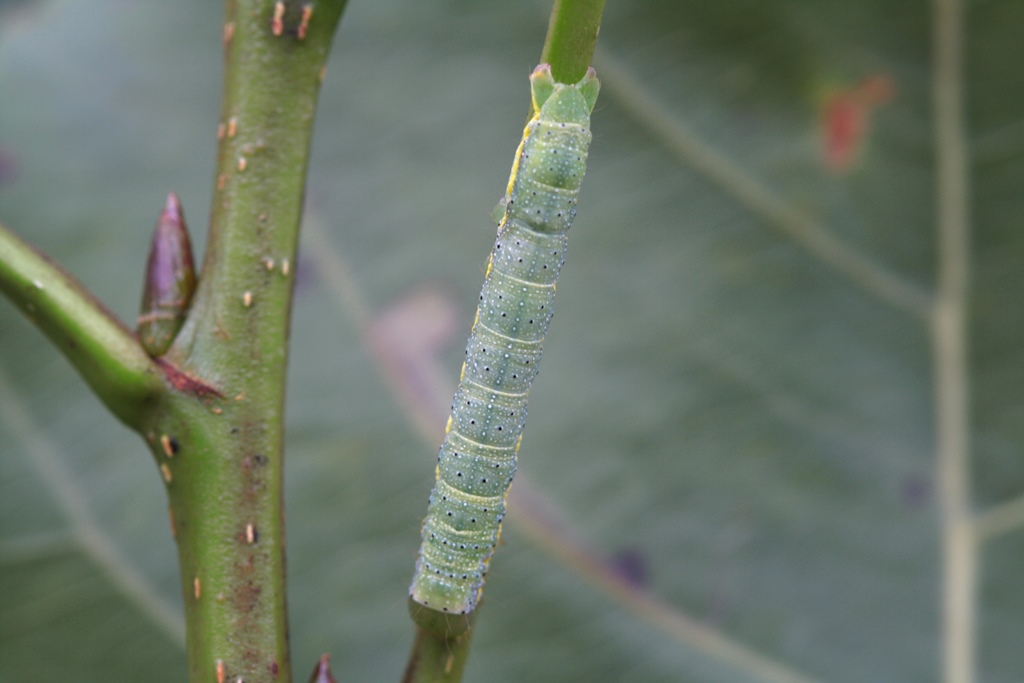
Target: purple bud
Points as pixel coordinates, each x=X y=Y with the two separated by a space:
x=322 y=672
x=170 y=281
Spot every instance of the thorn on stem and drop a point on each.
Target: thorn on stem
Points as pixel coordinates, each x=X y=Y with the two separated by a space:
x=322 y=672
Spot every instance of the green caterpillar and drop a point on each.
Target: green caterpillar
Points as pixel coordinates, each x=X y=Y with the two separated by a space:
x=478 y=457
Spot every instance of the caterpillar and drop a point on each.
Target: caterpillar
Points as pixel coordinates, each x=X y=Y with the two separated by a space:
x=477 y=459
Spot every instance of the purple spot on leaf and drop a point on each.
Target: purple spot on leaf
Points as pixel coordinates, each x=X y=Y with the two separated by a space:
x=631 y=566
x=915 y=491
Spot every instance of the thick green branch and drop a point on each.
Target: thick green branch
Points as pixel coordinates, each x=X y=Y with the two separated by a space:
x=219 y=440
x=105 y=353
x=212 y=407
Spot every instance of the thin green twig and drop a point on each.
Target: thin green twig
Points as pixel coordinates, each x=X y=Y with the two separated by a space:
x=98 y=345
x=572 y=36
x=441 y=649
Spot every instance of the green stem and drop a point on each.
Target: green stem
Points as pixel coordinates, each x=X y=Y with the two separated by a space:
x=572 y=35
x=220 y=439
x=441 y=647
x=99 y=346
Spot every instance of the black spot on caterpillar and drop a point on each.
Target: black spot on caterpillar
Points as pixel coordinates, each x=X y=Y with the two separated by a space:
x=478 y=457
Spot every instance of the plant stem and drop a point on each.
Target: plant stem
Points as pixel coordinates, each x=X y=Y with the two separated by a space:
x=212 y=407
x=220 y=438
x=441 y=647
x=99 y=346
x=572 y=35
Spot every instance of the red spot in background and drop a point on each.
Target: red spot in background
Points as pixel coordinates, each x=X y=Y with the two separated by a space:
x=846 y=116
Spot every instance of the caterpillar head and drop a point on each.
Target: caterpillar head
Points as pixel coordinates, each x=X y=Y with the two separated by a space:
x=573 y=103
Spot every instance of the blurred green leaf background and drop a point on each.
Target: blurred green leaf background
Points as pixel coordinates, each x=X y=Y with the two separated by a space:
x=735 y=414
